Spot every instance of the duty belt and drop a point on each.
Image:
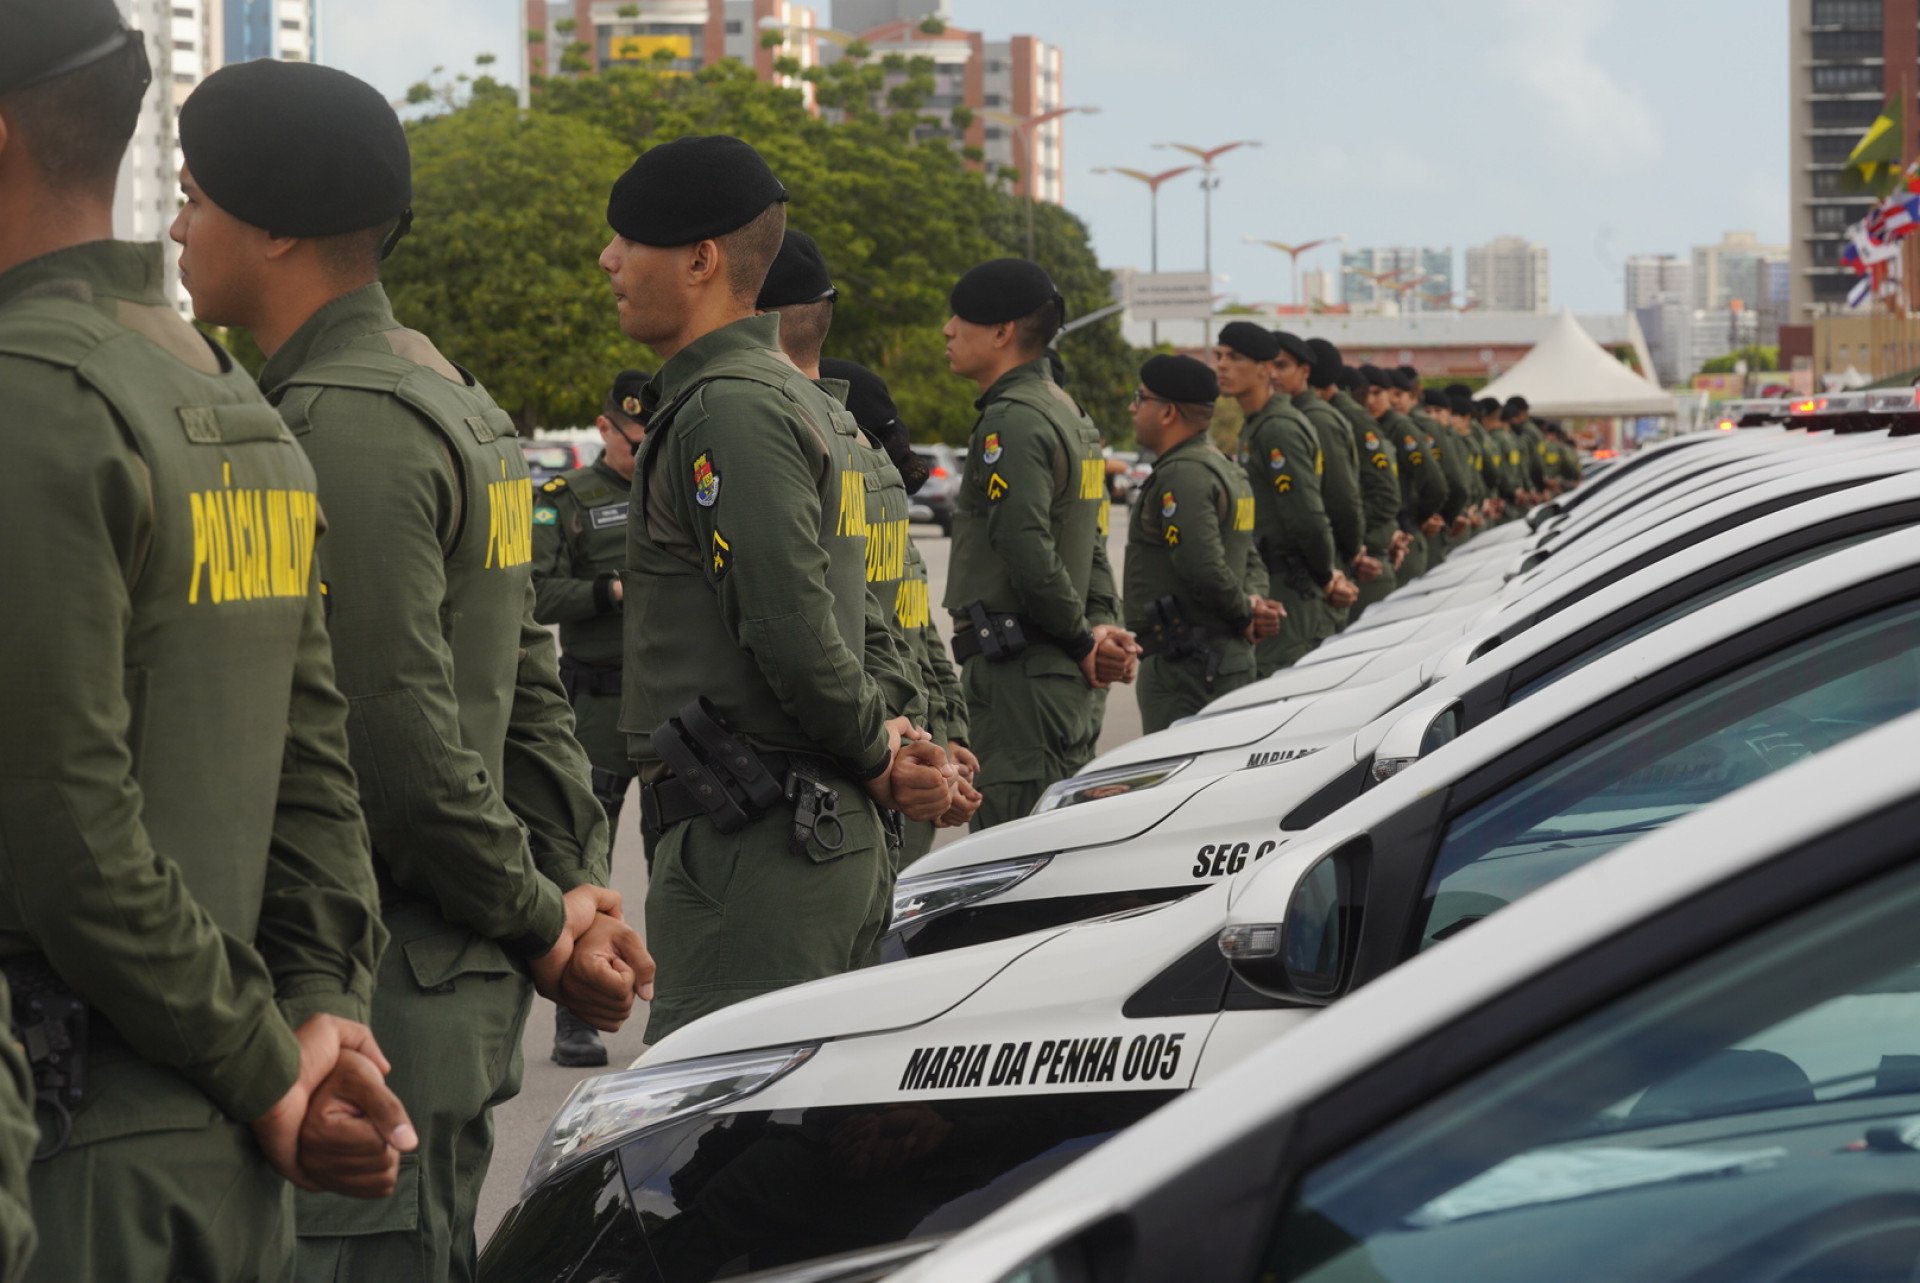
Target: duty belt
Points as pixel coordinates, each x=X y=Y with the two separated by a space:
x=61 y=1036
x=999 y=636
x=581 y=678
x=1288 y=566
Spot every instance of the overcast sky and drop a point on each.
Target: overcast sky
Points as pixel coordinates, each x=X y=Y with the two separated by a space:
x=1601 y=128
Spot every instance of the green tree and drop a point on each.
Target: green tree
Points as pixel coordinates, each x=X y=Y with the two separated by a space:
x=1759 y=359
x=501 y=268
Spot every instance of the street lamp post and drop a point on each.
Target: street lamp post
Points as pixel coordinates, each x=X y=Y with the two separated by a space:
x=1294 y=252
x=1208 y=181
x=1025 y=127
x=1154 y=183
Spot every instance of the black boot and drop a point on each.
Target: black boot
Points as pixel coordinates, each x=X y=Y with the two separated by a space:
x=576 y=1044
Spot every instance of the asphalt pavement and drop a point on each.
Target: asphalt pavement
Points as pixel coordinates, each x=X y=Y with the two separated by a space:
x=519 y=1126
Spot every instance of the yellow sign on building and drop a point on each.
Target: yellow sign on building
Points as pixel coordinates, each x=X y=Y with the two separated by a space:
x=643 y=48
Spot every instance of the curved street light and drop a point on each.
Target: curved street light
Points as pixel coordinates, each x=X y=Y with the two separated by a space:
x=1294 y=252
x=1154 y=183
x=1208 y=181
x=1025 y=127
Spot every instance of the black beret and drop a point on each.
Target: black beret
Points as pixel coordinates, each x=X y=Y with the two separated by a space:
x=1326 y=363
x=1374 y=376
x=1487 y=405
x=627 y=396
x=870 y=402
x=1180 y=379
x=1294 y=346
x=1458 y=390
x=297 y=149
x=1006 y=289
x=1461 y=403
x=1433 y=399
x=798 y=275
x=1516 y=405
x=1350 y=378
x=41 y=39
x=1404 y=379
x=692 y=189
x=1255 y=342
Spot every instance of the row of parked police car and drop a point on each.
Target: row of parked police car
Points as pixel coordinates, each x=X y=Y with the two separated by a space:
x=1556 y=922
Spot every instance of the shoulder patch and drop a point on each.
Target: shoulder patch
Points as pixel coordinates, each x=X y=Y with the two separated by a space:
x=1168 y=504
x=1173 y=536
x=1275 y=459
x=544 y=515
x=990 y=449
x=706 y=479
x=554 y=486
x=1282 y=483
x=722 y=556
x=996 y=488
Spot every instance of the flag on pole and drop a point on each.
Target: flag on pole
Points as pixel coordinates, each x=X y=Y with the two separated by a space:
x=1877 y=159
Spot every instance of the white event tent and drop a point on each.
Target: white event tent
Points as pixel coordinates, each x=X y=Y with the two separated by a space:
x=1568 y=375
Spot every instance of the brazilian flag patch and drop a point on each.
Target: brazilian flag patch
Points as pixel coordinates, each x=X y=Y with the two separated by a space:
x=544 y=516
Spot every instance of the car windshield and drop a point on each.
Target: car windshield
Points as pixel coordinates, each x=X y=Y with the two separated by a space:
x=1694 y=749
x=1681 y=609
x=1753 y=1115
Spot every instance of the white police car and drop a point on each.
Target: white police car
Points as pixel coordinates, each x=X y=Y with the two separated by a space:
x=1693 y=1060
x=915 y=1098
x=1205 y=799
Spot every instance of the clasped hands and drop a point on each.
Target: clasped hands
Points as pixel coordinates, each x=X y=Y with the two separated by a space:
x=1115 y=657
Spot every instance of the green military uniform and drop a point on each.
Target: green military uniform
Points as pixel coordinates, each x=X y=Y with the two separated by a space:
x=475 y=790
x=181 y=840
x=1340 y=491
x=1512 y=473
x=946 y=705
x=1191 y=567
x=1379 y=475
x=1280 y=452
x=18 y=1136
x=579 y=542
x=1444 y=449
x=1528 y=437
x=746 y=584
x=1028 y=542
x=1423 y=487
x=1561 y=460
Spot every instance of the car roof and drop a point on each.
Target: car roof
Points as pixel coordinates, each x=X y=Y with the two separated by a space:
x=1560 y=921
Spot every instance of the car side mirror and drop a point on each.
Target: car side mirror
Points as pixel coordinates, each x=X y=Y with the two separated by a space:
x=1414 y=736
x=1308 y=955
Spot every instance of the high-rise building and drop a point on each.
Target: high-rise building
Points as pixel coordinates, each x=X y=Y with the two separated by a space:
x=1654 y=277
x=1509 y=274
x=284 y=29
x=1001 y=82
x=1736 y=268
x=1402 y=278
x=1316 y=289
x=185 y=42
x=1023 y=80
x=1845 y=59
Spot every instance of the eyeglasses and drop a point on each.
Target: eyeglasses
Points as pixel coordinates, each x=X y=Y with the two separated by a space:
x=1141 y=398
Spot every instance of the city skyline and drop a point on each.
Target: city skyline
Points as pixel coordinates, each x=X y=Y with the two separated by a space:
x=1572 y=128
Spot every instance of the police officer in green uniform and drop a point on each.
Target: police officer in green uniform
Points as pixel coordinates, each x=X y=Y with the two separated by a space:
x=1340 y=483
x=765 y=750
x=1280 y=452
x=1029 y=587
x=188 y=930
x=871 y=403
x=1196 y=586
x=1379 y=477
x=1562 y=456
x=1423 y=486
x=489 y=845
x=1526 y=439
x=579 y=543
x=1502 y=459
x=1419 y=405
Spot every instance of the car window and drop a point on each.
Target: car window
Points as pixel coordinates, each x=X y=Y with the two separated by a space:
x=1681 y=609
x=1668 y=762
x=1752 y=1116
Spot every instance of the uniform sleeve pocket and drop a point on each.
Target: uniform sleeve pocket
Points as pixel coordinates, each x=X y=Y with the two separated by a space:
x=436 y=961
x=323 y=1216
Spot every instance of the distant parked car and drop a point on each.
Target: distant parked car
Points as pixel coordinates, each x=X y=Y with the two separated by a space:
x=548 y=457
x=1122 y=480
x=935 y=501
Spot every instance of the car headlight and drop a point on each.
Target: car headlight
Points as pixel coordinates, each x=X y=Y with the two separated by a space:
x=928 y=896
x=613 y=1108
x=1112 y=782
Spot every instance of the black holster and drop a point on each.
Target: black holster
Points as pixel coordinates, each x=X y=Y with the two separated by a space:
x=52 y=1024
x=1289 y=569
x=717 y=774
x=1169 y=634
x=998 y=637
